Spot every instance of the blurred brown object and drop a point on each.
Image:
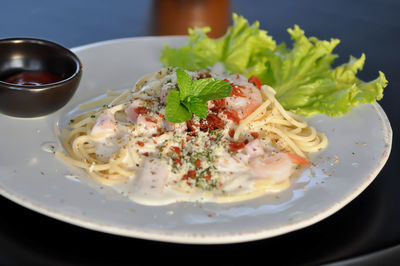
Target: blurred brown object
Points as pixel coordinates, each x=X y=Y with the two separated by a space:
x=174 y=17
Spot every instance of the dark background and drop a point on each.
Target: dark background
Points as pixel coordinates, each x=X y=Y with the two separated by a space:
x=368 y=224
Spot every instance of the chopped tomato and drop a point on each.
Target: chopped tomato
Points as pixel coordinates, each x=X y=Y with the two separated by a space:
x=190 y=126
x=231 y=133
x=219 y=105
x=177 y=150
x=255 y=81
x=207 y=176
x=191 y=173
x=254 y=134
x=148 y=119
x=235 y=146
x=182 y=144
x=214 y=122
x=140 y=143
x=178 y=161
x=233 y=115
x=141 y=110
x=237 y=91
x=197 y=163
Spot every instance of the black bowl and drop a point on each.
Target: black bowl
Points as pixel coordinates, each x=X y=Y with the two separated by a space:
x=20 y=56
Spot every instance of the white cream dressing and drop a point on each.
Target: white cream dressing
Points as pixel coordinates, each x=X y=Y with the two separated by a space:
x=154 y=184
x=157 y=180
x=240 y=184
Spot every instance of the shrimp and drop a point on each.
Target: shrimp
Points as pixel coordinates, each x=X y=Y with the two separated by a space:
x=244 y=100
x=163 y=95
x=254 y=149
x=150 y=124
x=142 y=116
x=179 y=127
x=134 y=109
x=277 y=166
x=105 y=124
x=152 y=178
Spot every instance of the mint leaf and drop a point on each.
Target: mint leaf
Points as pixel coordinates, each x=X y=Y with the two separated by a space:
x=185 y=83
x=196 y=106
x=210 y=89
x=175 y=112
x=192 y=97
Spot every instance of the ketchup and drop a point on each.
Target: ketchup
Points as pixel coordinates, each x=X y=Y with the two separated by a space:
x=30 y=78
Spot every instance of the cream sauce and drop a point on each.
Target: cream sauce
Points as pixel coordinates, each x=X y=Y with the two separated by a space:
x=158 y=179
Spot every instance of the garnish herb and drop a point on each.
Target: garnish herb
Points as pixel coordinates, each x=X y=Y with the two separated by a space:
x=192 y=97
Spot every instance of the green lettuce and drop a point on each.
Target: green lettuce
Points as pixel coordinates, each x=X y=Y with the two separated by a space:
x=237 y=50
x=302 y=76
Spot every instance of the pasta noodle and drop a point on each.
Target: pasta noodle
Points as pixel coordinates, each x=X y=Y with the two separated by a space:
x=123 y=135
x=294 y=133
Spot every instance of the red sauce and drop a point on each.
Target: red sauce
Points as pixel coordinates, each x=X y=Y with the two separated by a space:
x=33 y=78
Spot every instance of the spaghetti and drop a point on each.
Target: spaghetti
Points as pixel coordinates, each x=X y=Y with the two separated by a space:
x=125 y=138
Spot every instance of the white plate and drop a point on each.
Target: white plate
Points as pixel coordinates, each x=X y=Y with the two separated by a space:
x=360 y=144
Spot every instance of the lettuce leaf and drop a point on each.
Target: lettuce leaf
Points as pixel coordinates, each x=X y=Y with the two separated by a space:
x=237 y=50
x=302 y=75
x=306 y=83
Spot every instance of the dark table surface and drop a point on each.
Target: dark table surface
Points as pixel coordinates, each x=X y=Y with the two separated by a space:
x=369 y=224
